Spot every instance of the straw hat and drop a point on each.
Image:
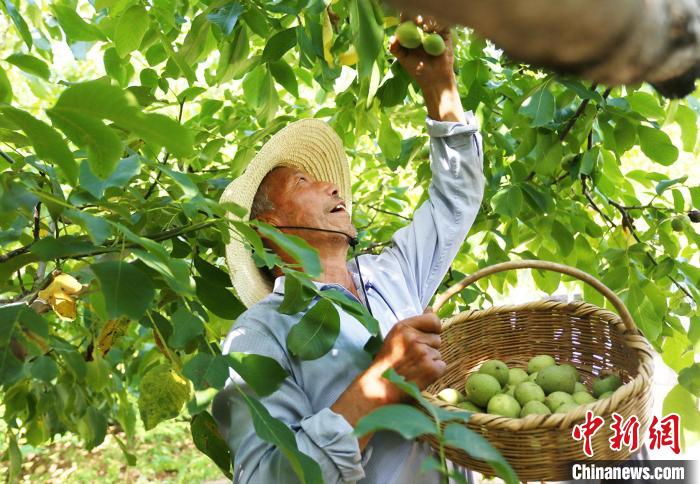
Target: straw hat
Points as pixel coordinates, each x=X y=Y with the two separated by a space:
x=307 y=144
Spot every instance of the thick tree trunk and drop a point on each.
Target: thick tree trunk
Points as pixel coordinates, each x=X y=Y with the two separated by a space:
x=609 y=41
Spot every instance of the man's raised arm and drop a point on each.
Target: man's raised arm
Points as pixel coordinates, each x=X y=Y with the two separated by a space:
x=426 y=247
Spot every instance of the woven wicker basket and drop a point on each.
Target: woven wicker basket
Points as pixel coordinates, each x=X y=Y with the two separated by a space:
x=593 y=340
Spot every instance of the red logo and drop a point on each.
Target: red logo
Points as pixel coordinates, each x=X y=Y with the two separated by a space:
x=668 y=435
x=586 y=430
x=624 y=432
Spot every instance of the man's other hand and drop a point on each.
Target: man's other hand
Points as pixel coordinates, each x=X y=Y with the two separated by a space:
x=412 y=348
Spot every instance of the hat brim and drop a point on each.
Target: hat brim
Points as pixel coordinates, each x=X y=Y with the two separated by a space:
x=307 y=144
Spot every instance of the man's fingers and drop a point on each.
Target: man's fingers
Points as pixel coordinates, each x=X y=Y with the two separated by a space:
x=427 y=323
x=430 y=339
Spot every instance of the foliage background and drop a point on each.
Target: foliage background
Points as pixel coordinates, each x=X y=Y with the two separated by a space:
x=116 y=183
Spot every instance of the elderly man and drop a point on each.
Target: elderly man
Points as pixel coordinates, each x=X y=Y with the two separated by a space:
x=300 y=179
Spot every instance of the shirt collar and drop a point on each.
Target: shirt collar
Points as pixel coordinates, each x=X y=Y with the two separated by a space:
x=278 y=285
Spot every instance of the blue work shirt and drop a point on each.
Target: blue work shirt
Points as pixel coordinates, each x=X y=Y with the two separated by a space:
x=399 y=283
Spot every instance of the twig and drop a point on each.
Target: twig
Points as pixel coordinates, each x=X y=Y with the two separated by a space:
x=627 y=221
x=377 y=209
x=592 y=203
x=149 y=192
x=577 y=114
x=7 y=157
x=37 y=217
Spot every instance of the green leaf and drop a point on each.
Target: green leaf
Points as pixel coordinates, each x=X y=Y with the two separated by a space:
x=681 y=401
x=14 y=456
x=591 y=159
x=368 y=36
x=30 y=65
x=49 y=248
x=353 y=308
x=102 y=100
x=207 y=438
x=20 y=25
x=127 y=289
x=563 y=237
x=298 y=292
x=226 y=17
x=279 y=44
x=687 y=119
x=285 y=76
x=296 y=247
x=315 y=334
x=462 y=438
x=129 y=30
x=44 y=368
x=97 y=228
x=646 y=104
x=186 y=327
x=664 y=184
x=206 y=370
x=405 y=420
x=195 y=43
x=263 y=374
x=657 y=145
x=508 y=201
x=47 y=143
x=212 y=273
x=92 y=428
x=541 y=107
x=277 y=433
x=75 y=28
x=5 y=88
x=162 y=394
x=104 y=147
x=689 y=377
x=115 y=67
x=128 y=168
x=389 y=140
x=218 y=299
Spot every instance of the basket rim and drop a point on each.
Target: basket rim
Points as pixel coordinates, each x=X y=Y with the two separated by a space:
x=633 y=339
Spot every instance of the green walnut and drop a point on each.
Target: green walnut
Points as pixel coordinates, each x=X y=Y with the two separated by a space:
x=480 y=388
x=434 y=44
x=497 y=369
x=539 y=362
x=409 y=35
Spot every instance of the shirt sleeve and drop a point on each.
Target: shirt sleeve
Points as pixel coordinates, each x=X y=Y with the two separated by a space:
x=426 y=247
x=323 y=435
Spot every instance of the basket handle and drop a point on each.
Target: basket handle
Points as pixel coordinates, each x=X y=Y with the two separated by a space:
x=624 y=313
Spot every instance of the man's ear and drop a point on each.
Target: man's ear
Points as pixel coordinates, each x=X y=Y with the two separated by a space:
x=269 y=218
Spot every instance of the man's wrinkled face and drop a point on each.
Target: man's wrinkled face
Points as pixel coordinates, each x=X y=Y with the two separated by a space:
x=301 y=200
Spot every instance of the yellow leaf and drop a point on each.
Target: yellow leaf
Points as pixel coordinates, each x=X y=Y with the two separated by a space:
x=349 y=57
x=68 y=284
x=327 y=35
x=62 y=283
x=63 y=305
x=162 y=394
x=111 y=332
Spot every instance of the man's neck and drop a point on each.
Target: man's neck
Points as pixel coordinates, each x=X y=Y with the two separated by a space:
x=334 y=268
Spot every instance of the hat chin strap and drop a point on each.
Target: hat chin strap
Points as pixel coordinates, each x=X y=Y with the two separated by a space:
x=352 y=241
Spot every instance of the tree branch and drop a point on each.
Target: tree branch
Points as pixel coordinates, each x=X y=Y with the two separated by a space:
x=377 y=209
x=612 y=42
x=577 y=114
x=149 y=192
x=627 y=222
